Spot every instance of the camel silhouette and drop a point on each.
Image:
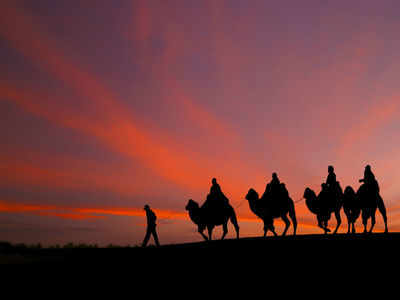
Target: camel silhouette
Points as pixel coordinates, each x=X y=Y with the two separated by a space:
x=370 y=200
x=351 y=207
x=269 y=209
x=211 y=216
x=324 y=204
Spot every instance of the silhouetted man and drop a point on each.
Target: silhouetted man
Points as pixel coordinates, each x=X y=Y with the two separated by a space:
x=151 y=226
x=273 y=186
x=331 y=179
x=369 y=178
x=216 y=194
x=215 y=189
x=275 y=180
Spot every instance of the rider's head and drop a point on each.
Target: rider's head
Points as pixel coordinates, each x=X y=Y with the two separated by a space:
x=146 y=207
x=274 y=176
x=368 y=168
x=330 y=169
x=214 y=181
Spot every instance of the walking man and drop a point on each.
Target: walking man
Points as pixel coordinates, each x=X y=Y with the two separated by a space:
x=151 y=226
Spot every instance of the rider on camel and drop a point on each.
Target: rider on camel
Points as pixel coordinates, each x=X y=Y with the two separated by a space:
x=272 y=186
x=216 y=195
x=369 y=178
x=331 y=179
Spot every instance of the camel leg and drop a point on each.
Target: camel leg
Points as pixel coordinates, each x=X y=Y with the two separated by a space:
x=235 y=223
x=225 y=230
x=210 y=229
x=348 y=217
x=323 y=224
x=372 y=222
x=320 y=224
x=353 y=228
x=271 y=226
x=287 y=224
x=273 y=231
x=200 y=230
x=365 y=221
x=338 y=220
x=326 y=226
x=292 y=215
x=364 y=217
x=382 y=210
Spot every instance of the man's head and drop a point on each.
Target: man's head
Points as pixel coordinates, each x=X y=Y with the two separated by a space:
x=368 y=168
x=146 y=207
x=330 y=169
x=214 y=181
x=274 y=176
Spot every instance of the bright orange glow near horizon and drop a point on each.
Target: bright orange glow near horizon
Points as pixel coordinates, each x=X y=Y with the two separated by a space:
x=107 y=108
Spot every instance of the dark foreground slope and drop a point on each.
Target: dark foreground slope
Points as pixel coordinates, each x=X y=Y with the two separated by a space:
x=301 y=250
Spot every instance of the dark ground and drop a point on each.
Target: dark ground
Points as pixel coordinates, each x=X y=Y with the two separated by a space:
x=339 y=250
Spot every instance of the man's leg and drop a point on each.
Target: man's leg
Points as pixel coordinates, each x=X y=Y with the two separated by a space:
x=146 y=237
x=154 y=232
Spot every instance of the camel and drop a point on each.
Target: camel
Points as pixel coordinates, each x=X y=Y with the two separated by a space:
x=371 y=200
x=351 y=207
x=211 y=216
x=269 y=209
x=324 y=204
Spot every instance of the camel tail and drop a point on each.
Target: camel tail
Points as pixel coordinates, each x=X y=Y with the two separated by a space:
x=234 y=221
x=292 y=215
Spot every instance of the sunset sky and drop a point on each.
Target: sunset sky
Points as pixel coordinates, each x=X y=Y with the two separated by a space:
x=106 y=106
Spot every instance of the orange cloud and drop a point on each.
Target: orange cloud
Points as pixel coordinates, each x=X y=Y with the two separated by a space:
x=83 y=213
x=68 y=173
x=43 y=210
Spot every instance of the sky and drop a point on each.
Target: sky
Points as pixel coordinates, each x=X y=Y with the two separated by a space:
x=106 y=106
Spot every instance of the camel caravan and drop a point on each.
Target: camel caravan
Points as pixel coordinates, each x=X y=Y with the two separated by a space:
x=276 y=203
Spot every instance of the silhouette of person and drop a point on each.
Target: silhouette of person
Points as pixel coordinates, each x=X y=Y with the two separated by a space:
x=275 y=180
x=331 y=179
x=273 y=186
x=151 y=226
x=369 y=178
x=215 y=189
x=216 y=194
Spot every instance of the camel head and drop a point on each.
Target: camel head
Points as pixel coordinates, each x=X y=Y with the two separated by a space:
x=309 y=193
x=252 y=195
x=192 y=205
